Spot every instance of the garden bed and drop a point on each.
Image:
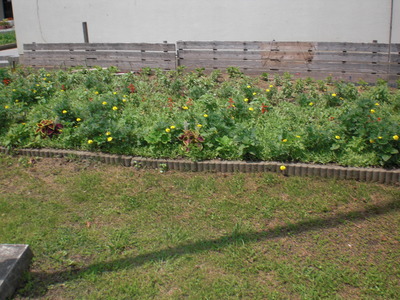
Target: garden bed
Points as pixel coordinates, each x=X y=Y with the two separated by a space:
x=176 y=114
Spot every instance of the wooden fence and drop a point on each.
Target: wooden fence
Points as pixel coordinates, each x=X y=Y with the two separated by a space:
x=347 y=61
x=127 y=57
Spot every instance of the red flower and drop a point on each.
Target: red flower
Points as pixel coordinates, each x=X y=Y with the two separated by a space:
x=6 y=81
x=131 y=88
x=264 y=108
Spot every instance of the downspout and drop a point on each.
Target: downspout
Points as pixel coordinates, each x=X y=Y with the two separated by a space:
x=390 y=37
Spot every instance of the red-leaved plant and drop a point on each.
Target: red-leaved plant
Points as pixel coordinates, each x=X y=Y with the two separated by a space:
x=48 y=128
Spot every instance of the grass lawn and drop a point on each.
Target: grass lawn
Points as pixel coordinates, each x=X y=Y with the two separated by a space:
x=7 y=38
x=109 y=232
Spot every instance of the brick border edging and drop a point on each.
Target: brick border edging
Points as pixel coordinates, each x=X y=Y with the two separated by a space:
x=379 y=175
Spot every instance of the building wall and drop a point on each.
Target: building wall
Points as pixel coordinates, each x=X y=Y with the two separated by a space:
x=49 y=21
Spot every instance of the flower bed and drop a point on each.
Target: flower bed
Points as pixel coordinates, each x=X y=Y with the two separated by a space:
x=175 y=114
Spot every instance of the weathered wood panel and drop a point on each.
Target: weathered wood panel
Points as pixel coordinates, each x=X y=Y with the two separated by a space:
x=126 y=57
x=345 y=59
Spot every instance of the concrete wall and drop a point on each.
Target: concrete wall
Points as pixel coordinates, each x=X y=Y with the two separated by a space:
x=52 y=21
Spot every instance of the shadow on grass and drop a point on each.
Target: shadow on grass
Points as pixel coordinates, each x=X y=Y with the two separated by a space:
x=41 y=281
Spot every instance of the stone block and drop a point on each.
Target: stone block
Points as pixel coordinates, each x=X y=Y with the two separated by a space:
x=14 y=261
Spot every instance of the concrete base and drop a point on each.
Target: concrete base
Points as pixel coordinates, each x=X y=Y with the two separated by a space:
x=14 y=261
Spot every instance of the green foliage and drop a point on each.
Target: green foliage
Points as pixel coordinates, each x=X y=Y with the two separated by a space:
x=168 y=113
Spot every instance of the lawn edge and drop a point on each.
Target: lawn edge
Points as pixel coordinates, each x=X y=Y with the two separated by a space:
x=378 y=175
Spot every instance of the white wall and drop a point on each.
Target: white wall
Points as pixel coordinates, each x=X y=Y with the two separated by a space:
x=53 y=21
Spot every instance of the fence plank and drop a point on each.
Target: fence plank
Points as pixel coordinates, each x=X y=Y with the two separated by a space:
x=102 y=46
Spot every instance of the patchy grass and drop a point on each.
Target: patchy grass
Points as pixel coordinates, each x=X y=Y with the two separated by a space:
x=100 y=231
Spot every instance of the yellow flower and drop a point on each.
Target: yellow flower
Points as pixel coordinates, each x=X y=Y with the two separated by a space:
x=124 y=100
x=298 y=136
x=109 y=139
x=311 y=103
x=16 y=100
x=115 y=108
x=271 y=86
x=284 y=140
x=172 y=127
x=185 y=107
x=78 y=119
x=14 y=90
x=62 y=91
x=199 y=125
x=48 y=74
x=96 y=92
x=337 y=137
x=38 y=85
x=90 y=142
x=249 y=86
x=377 y=104
x=246 y=100
x=167 y=130
x=205 y=116
x=372 y=111
x=396 y=137
x=267 y=90
x=6 y=107
x=333 y=95
x=64 y=111
x=104 y=103
x=379 y=137
x=34 y=91
x=371 y=141
x=251 y=109
x=254 y=93
x=115 y=93
x=108 y=133
x=282 y=168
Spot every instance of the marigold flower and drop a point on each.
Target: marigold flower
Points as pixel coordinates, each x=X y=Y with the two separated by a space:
x=267 y=90
x=377 y=104
x=96 y=92
x=167 y=130
x=185 y=107
x=334 y=95
x=282 y=168
x=115 y=108
x=37 y=84
x=337 y=137
x=199 y=125
x=78 y=119
x=311 y=103
x=371 y=141
x=284 y=140
x=172 y=127
x=16 y=100
x=298 y=136
x=6 y=107
x=90 y=142
x=205 y=116
x=396 y=137
x=124 y=100
x=108 y=133
x=271 y=86
x=254 y=93
x=379 y=137
x=64 y=111
x=246 y=100
x=372 y=111
x=115 y=93
x=109 y=139
x=251 y=109
x=249 y=86
x=104 y=103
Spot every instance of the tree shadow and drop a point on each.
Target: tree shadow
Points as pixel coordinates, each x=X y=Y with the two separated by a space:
x=41 y=281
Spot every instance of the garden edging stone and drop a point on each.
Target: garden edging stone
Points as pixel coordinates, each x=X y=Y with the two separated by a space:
x=379 y=175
